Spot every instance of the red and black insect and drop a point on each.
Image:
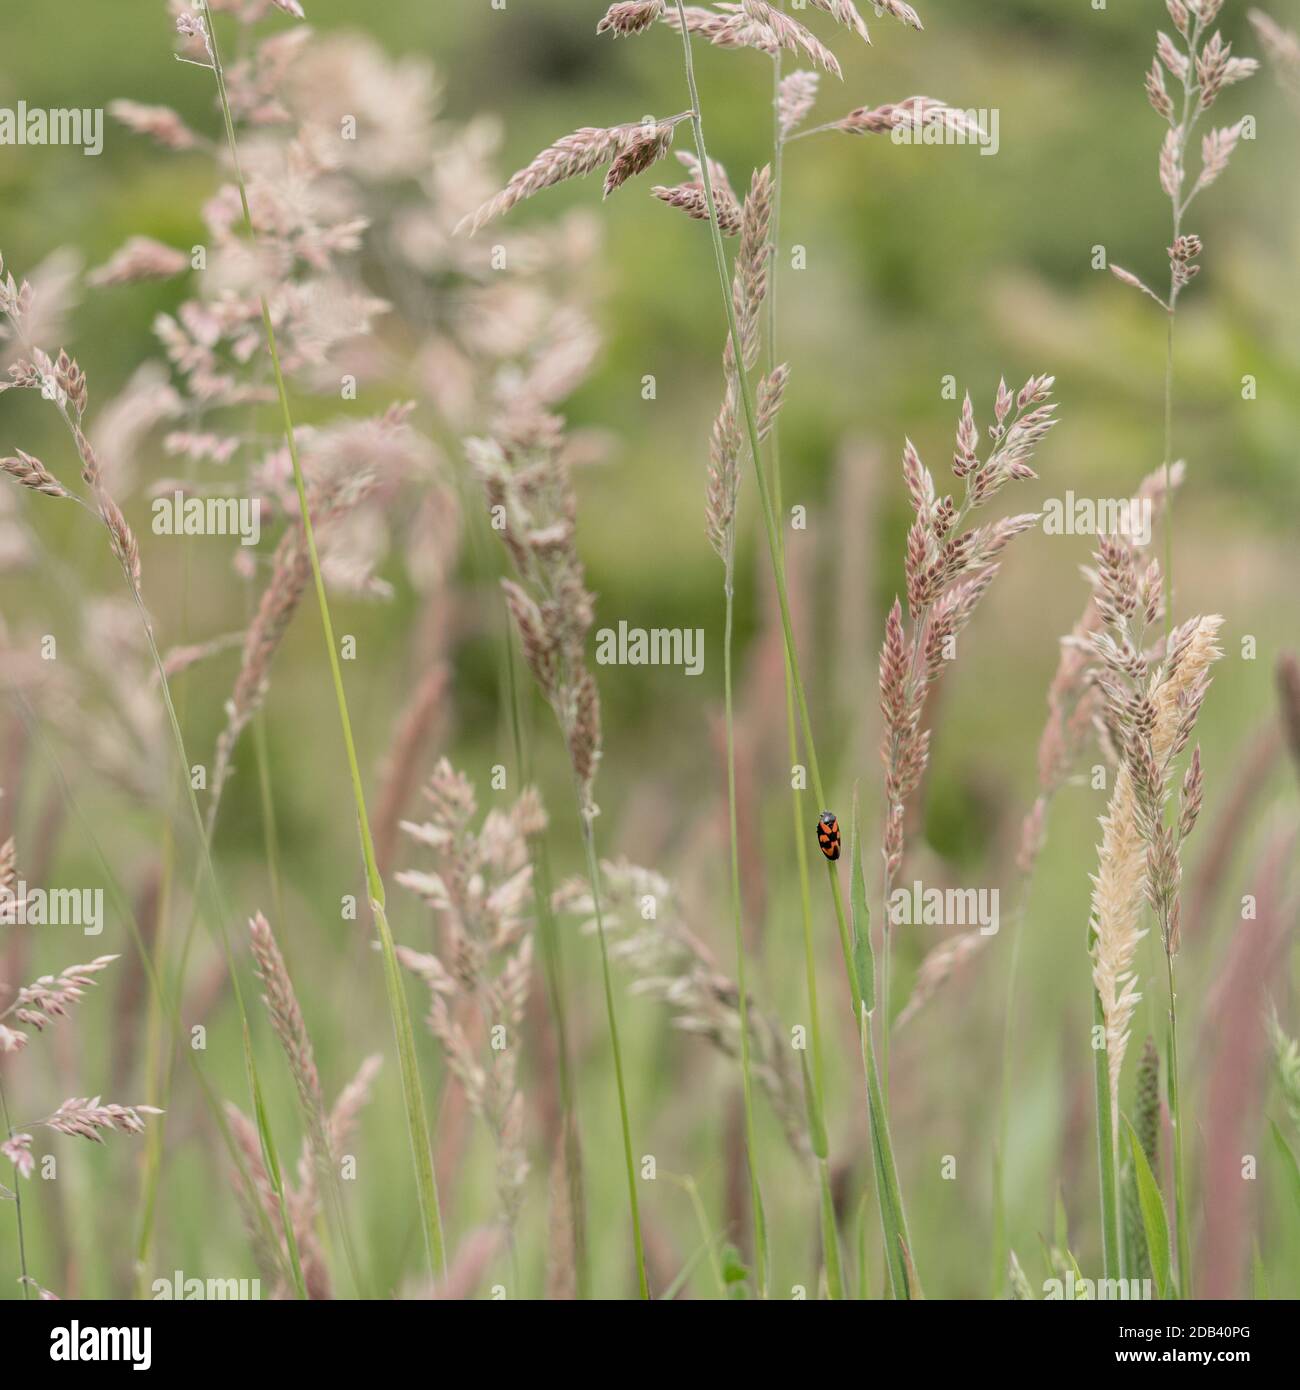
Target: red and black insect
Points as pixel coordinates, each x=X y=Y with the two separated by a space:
x=828 y=834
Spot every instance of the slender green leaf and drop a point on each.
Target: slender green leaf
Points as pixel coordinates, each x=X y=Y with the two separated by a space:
x=751 y=1145
x=553 y=973
x=830 y=1235
x=864 y=1272
x=1154 y=1221
x=735 y=1272
x=616 y=1052
x=892 y=1218
x=1183 y=1288
x=864 y=964
x=816 y=1124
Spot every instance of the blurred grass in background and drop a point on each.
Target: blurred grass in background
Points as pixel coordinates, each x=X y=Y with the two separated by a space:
x=922 y=264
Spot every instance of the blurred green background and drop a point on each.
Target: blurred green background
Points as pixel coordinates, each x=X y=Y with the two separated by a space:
x=921 y=265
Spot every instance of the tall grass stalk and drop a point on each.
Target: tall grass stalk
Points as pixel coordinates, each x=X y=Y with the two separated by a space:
x=862 y=973
x=1190 y=109
x=861 y=1243
x=821 y=1152
x=1001 y=1246
x=413 y=1096
x=1202 y=72
x=879 y=1120
x=158 y=1055
x=764 y=493
x=830 y=1235
x=1182 y=1237
x=573 y=696
x=611 y=1014
x=553 y=972
x=1001 y=1249
x=751 y=1146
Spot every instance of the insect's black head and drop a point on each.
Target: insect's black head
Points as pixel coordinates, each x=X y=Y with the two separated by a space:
x=828 y=818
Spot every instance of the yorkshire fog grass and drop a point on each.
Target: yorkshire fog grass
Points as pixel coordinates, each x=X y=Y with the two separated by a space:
x=903 y=906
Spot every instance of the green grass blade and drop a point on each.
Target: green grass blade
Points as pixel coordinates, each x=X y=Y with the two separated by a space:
x=1177 y=1120
x=735 y=1273
x=864 y=963
x=893 y=1222
x=864 y=1270
x=816 y=1124
x=747 y=1081
x=821 y=1150
x=616 y=1050
x=1154 y=1221
x=710 y=1245
x=830 y=1235
x=893 y=1219
x=553 y=973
